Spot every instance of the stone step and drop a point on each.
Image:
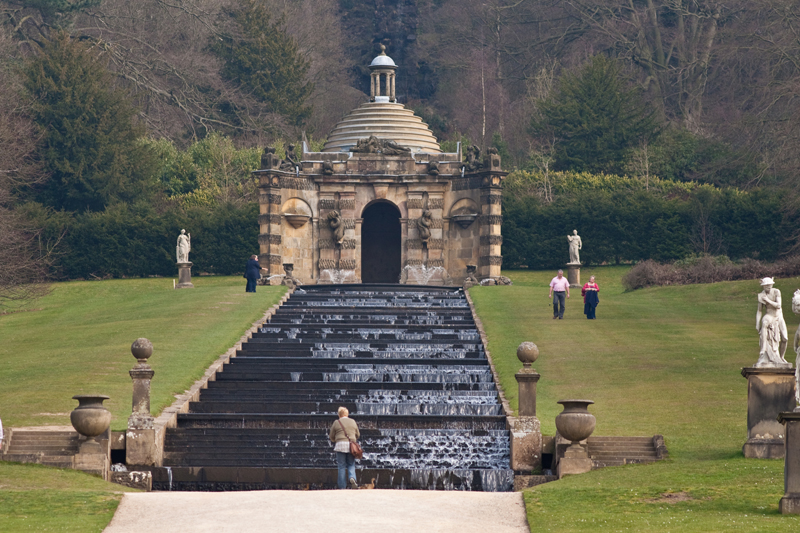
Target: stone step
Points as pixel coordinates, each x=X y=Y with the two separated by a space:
x=257 y=478
x=357 y=409
x=353 y=386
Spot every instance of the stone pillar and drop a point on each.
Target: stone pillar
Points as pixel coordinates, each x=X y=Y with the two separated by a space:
x=392 y=97
x=770 y=391
x=269 y=222
x=141 y=447
x=491 y=220
x=413 y=243
x=436 y=242
x=790 y=503
x=348 y=249
x=526 y=433
x=574 y=275
x=327 y=243
x=184 y=276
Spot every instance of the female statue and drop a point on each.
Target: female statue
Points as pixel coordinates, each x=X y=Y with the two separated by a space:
x=184 y=246
x=575 y=244
x=771 y=327
x=796 y=310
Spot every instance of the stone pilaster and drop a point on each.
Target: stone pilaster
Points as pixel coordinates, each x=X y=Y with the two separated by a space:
x=436 y=242
x=491 y=221
x=269 y=221
x=413 y=243
x=327 y=244
x=348 y=249
x=790 y=503
x=770 y=391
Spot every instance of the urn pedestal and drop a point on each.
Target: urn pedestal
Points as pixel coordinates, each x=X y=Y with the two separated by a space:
x=141 y=446
x=770 y=391
x=575 y=423
x=790 y=503
x=574 y=274
x=91 y=420
x=184 y=276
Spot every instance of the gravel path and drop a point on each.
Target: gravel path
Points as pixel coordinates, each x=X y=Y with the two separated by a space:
x=328 y=511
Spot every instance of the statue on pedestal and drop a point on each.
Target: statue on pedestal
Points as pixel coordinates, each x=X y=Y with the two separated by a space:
x=773 y=337
x=184 y=246
x=575 y=244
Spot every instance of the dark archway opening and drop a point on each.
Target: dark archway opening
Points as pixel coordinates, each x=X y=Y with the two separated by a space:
x=380 y=244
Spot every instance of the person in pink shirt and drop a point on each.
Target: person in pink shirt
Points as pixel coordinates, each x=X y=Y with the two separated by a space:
x=559 y=288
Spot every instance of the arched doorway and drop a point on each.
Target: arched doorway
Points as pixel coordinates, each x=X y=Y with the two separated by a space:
x=380 y=243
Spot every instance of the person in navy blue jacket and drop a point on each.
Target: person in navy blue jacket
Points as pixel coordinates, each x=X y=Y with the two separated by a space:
x=253 y=273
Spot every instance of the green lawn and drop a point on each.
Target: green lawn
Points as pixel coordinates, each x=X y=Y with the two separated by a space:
x=77 y=340
x=662 y=360
x=40 y=498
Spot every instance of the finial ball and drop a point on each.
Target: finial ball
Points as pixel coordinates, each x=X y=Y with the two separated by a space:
x=527 y=352
x=142 y=348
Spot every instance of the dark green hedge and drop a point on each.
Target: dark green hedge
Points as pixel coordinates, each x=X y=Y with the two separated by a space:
x=137 y=241
x=623 y=226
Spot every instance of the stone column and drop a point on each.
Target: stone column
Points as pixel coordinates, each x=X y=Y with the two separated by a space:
x=770 y=391
x=392 y=97
x=790 y=503
x=574 y=275
x=184 y=276
x=141 y=447
x=526 y=433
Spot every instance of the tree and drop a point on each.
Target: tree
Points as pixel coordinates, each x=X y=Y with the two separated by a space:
x=264 y=61
x=88 y=134
x=594 y=118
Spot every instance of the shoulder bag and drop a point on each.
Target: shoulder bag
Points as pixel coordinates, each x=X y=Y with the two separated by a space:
x=355 y=448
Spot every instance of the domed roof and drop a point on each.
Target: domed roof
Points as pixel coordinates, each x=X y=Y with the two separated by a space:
x=384 y=120
x=382 y=60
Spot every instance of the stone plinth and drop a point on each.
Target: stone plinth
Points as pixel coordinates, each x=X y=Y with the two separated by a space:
x=790 y=503
x=141 y=446
x=526 y=444
x=574 y=274
x=576 y=460
x=184 y=276
x=527 y=379
x=770 y=391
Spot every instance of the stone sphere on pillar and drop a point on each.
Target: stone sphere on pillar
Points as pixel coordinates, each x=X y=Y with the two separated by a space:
x=527 y=353
x=142 y=349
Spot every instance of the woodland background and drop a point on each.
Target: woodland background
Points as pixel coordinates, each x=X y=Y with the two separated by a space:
x=659 y=128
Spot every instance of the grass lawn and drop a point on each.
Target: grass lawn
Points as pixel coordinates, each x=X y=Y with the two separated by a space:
x=662 y=360
x=40 y=498
x=77 y=340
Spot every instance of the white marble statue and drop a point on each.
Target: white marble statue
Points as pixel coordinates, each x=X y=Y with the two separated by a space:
x=773 y=337
x=184 y=246
x=575 y=244
x=796 y=310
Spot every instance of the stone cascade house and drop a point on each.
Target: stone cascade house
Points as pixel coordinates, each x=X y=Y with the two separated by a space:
x=381 y=203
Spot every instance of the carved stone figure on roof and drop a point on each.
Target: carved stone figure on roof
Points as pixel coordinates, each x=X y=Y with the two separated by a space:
x=433 y=168
x=473 y=158
x=327 y=168
x=337 y=225
x=268 y=157
x=290 y=163
x=392 y=148
x=369 y=145
x=424 y=225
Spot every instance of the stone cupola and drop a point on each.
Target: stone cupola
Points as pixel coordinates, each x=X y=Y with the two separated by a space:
x=382 y=74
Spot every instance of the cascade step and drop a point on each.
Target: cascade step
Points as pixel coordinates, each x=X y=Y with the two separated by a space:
x=406 y=361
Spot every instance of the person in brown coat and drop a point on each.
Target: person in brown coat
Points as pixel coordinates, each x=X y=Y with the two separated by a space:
x=342 y=432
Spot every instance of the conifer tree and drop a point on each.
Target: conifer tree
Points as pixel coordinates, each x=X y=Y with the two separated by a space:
x=88 y=134
x=264 y=60
x=594 y=118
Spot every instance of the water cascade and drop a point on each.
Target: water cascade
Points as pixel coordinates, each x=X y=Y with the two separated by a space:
x=406 y=361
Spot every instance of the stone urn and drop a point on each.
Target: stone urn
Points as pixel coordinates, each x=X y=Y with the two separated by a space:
x=527 y=353
x=575 y=423
x=90 y=418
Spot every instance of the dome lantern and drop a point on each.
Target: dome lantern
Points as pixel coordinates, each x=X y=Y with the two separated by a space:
x=382 y=66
